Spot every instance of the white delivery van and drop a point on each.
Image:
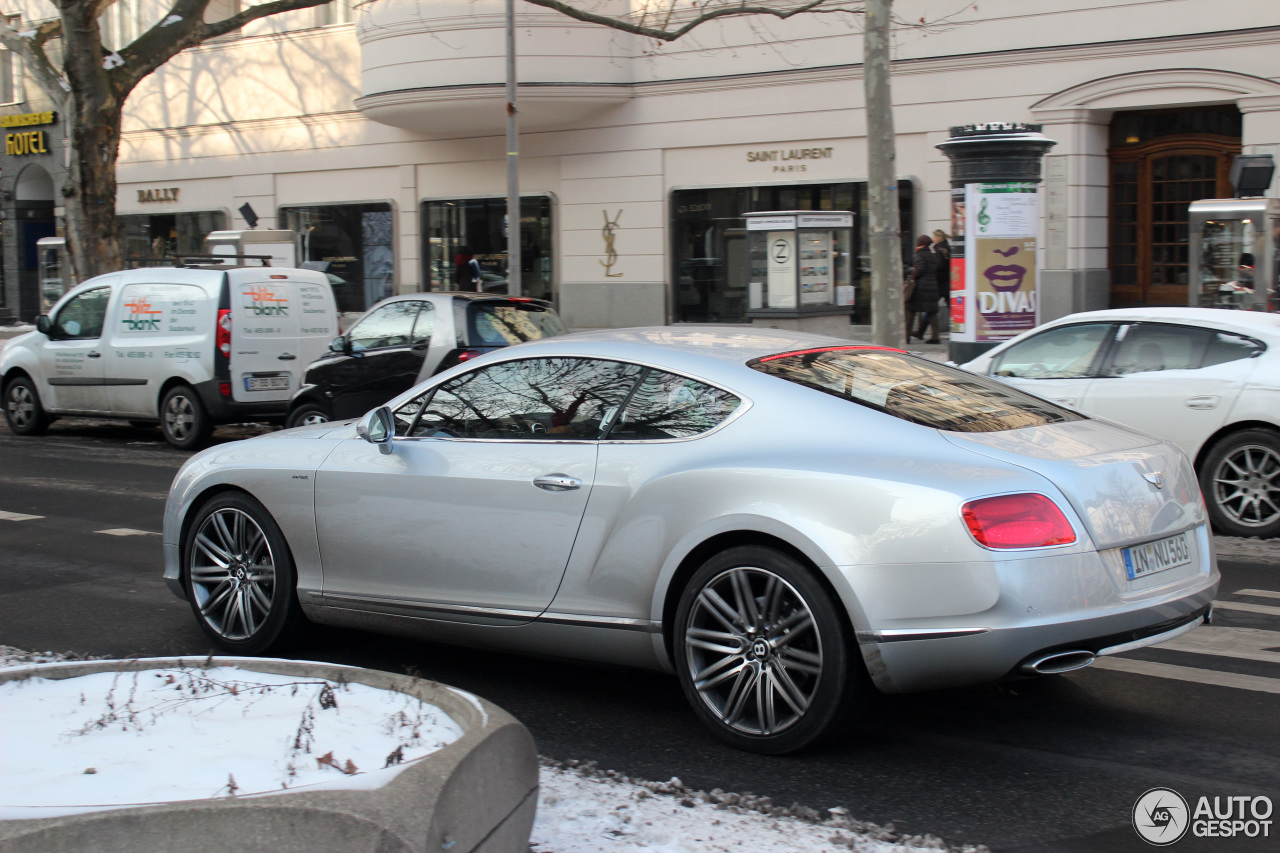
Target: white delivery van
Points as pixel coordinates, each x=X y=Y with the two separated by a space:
x=187 y=347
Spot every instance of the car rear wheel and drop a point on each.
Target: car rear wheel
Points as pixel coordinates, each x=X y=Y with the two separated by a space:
x=240 y=575
x=306 y=415
x=22 y=409
x=1240 y=479
x=763 y=653
x=183 y=419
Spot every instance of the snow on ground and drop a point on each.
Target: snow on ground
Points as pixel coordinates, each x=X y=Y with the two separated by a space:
x=584 y=810
x=113 y=739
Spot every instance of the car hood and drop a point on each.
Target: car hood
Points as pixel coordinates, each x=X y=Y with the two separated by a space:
x=315 y=430
x=1108 y=472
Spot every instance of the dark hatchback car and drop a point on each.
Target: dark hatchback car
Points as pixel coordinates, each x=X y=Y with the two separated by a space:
x=402 y=340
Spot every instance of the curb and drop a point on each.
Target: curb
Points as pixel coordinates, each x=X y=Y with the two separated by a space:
x=476 y=795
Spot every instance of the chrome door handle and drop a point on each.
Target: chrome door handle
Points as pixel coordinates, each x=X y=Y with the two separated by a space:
x=94 y=354
x=1208 y=401
x=286 y=357
x=557 y=483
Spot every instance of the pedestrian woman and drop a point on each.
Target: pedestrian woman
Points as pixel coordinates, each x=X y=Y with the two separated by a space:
x=942 y=248
x=922 y=307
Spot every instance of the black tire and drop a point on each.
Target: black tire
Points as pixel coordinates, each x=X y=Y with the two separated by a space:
x=1240 y=479
x=307 y=413
x=800 y=646
x=250 y=604
x=183 y=420
x=22 y=409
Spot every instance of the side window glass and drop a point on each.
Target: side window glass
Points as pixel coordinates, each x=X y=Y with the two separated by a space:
x=389 y=326
x=82 y=316
x=425 y=324
x=1152 y=347
x=1224 y=347
x=1066 y=352
x=535 y=398
x=670 y=406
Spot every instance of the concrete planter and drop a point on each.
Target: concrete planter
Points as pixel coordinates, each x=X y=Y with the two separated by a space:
x=478 y=794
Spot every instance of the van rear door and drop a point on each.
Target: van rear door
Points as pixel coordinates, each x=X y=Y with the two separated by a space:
x=265 y=361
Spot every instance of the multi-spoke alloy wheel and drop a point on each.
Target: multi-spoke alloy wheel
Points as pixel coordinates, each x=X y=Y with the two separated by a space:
x=762 y=652
x=22 y=408
x=1241 y=480
x=183 y=419
x=239 y=574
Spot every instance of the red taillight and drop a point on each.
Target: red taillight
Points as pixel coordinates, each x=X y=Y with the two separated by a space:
x=224 y=388
x=467 y=355
x=1017 y=521
x=223 y=338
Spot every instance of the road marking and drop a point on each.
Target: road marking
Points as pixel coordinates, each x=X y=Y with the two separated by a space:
x=1242 y=643
x=1256 y=683
x=1258 y=593
x=126 y=531
x=1247 y=607
x=17 y=516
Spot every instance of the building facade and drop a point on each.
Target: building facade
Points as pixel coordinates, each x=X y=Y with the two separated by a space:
x=380 y=140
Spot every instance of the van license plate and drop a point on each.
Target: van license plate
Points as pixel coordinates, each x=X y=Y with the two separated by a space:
x=1161 y=555
x=266 y=383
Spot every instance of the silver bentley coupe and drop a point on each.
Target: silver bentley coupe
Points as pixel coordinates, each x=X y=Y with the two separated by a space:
x=785 y=521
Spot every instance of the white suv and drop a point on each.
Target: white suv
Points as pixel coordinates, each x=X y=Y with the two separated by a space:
x=187 y=347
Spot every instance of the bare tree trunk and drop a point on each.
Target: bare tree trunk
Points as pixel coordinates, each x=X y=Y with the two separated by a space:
x=887 y=316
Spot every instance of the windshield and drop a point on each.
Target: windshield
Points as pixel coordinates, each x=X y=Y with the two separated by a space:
x=914 y=389
x=504 y=323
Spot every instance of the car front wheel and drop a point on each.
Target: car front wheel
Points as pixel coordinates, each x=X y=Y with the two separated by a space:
x=1240 y=479
x=22 y=409
x=763 y=653
x=240 y=576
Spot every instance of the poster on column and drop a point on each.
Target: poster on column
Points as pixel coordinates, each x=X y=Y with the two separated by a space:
x=1002 y=220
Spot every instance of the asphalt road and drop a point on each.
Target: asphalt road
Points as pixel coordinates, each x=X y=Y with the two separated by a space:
x=1054 y=765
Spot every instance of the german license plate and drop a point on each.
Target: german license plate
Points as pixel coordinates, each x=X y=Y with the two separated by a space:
x=266 y=383
x=1161 y=555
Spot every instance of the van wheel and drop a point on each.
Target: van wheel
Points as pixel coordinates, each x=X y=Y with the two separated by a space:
x=183 y=419
x=306 y=415
x=1240 y=479
x=763 y=653
x=22 y=409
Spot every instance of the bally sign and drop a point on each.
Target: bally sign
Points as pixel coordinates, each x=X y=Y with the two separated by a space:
x=153 y=196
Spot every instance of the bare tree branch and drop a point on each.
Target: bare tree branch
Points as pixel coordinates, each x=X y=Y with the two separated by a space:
x=698 y=16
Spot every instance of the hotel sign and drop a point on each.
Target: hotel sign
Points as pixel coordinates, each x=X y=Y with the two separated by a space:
x=27 y=142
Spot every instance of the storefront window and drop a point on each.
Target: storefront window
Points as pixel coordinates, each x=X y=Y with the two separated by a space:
x=351 y=244
x=465 y=245
x=712 y=270
x=168 y=235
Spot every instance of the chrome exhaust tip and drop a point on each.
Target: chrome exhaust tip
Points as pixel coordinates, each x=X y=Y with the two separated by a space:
x=1057 y=663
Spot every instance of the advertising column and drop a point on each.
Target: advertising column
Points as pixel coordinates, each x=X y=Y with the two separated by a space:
x=995 y=219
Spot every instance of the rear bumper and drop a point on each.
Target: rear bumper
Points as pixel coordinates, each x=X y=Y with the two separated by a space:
x=908 y=662
x=225 y=410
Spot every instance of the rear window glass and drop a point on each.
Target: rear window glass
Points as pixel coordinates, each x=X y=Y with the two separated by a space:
x=505 y=323
x=914 y=389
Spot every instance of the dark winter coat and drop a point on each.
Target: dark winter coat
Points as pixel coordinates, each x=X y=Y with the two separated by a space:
x=926 y=270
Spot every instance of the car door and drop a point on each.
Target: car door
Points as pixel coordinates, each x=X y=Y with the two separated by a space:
x=473 y=515
x=72 y=359
x=1176 y=382
x=384 y=357
x=1059 y=363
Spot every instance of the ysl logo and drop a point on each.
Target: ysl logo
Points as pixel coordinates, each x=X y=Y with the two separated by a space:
x=608 y=232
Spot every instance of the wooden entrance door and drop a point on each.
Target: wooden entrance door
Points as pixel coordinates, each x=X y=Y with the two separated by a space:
x=1151 y=188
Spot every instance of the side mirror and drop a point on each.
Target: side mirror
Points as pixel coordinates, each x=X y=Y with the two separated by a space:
x=378 y=427
x=43 y=325
x=340 y=344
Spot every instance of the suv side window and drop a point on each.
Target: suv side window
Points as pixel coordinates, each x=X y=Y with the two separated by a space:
x=1065 y=352
x=533 y=398
x=82 y=316
x=388 y=326
x=670 y=406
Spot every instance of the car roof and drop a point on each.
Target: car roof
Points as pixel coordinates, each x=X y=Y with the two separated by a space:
x=462 y=296
x=1242 y=321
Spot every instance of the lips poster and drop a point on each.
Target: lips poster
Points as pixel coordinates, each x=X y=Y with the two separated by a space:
x=1002 y=222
